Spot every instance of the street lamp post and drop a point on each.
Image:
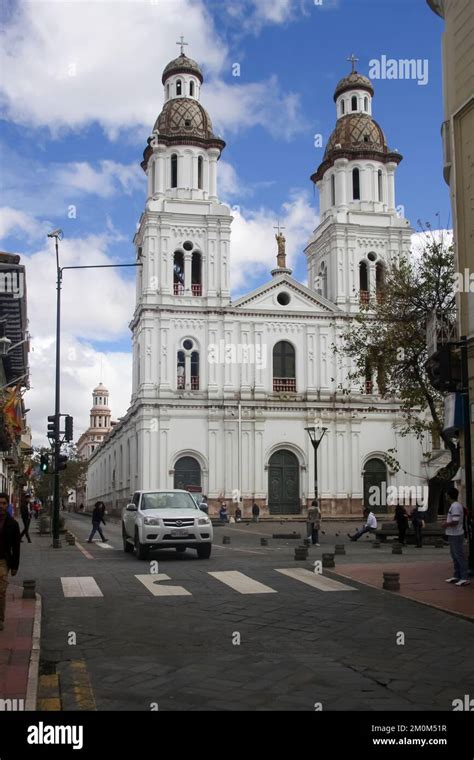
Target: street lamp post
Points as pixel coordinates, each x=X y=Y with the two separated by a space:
x=316 y=435
x=58 y=235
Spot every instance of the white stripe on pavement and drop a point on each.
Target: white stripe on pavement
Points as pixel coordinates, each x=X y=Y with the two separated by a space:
x=80 y=586
x=151 y=582
x=316 y=580
x=103 y=546
x=242 y=583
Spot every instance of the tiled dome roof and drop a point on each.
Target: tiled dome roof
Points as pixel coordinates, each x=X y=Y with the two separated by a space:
x=182 y=65
x=184 y=116
x=353 y=81
x=357 y=131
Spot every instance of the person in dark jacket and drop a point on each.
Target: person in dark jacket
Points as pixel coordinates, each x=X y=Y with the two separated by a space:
x=26 y=517
x=255 y=512
x=401 y=518
x=97 y=518
x=9 y=551
x=418 y=525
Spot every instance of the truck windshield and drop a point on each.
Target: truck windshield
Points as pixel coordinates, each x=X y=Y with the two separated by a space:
x=167 y=500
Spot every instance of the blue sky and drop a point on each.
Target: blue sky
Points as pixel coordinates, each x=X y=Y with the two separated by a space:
x=80 y=96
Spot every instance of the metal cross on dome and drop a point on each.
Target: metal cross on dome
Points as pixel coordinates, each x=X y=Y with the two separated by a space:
x=182 y=43
x=353 y=60
x=279 y=228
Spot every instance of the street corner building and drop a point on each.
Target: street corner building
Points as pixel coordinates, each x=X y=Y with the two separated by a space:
x=223 y=390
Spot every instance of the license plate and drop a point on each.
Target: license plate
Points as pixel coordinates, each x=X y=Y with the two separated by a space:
x=179 y=533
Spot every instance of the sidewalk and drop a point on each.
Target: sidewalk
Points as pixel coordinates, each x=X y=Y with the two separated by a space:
x=19 y=650
x=424 y=582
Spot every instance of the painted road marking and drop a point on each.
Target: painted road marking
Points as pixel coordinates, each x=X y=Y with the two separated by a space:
x=80 y=586
x=151 y=582
x=321 y=582
x=242 y=583
x=103 y=546
x=84 y=551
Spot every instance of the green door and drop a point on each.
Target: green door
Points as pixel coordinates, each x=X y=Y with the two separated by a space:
x=283 y=484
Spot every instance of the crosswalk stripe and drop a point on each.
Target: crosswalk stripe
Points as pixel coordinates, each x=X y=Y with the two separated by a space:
x=80 y=586
x=315 y=580
x=103 y=546
x=151 y=582
x=242 y=583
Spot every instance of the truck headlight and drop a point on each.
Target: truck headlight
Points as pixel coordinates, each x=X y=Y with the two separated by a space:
x=204 y=521
x=151 y=521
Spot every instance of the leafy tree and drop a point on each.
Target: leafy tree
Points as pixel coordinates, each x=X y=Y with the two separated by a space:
x=387 y=341
x=72 y=478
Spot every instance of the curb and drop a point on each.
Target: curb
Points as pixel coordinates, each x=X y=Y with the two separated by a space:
x=33 y=669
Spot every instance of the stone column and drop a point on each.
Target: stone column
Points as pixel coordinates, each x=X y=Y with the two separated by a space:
x=341 y=182
x=187 y=272
x=213 y=156
x=391 y=186
x=160 y=170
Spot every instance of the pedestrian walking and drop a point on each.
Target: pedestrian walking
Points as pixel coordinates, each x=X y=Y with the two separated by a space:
x=454 y=527
x=314 y=522
x=26 y=518
x=418 y=525
x=256 y=513
x=98 y=518
x=369 y=527
x=401 y=518
x=9 y=552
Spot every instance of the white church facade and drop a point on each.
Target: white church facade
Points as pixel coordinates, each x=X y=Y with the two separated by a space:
x=223 y=390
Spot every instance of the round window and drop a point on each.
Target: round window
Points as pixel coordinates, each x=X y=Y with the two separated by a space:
x=188 y=344
x=188 y=246
x=283 y=299
x=372 y=256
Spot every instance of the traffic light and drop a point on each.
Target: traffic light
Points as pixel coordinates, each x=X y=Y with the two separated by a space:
x=444 y=369
x=68 y=424
x=62 y=462
x=52 y=426
x=44 y=463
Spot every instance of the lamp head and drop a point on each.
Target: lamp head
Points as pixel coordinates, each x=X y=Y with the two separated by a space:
x=58 y=234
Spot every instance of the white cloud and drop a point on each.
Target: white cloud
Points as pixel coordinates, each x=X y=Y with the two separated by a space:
x=419 y=240
x=13 y=220
x=103 y=182
x=253 y=245
x=66 y=65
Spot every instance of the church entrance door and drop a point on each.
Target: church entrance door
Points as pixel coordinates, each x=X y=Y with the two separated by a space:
x=187 y=474
x=283 y=484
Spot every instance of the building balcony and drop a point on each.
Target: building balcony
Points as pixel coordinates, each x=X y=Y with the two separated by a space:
x=284 y=385
x=178 y=289
x=364 y=296
x=195 y=383
x=196 y=290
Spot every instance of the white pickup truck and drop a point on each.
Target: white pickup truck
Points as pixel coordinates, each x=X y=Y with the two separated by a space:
x=165 y=519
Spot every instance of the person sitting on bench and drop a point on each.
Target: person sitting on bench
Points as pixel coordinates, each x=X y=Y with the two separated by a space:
x=369 y=527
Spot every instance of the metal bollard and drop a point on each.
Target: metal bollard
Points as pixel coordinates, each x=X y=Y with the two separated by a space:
x=301 y=553
x=340 y=549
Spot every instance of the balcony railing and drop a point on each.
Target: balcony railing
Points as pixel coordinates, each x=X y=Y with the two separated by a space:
x=195 y=383
x=364 y=296
x=379 y=296
x=284 y=385
x=178 y=289
x=369 y=387
x=196 y=290
x=180 y=382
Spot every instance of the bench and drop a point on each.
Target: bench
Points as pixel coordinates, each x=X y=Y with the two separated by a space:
x=432 y=532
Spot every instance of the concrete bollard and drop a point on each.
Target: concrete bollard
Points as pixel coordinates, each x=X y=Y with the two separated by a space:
x=264 y=542
x=376 y=544
x=226 y=539
x=328 y=560
x=397 y=549
x=307 y=542
x=339 y=549
x=29 y=589
x=301 y=553
x=391 y=581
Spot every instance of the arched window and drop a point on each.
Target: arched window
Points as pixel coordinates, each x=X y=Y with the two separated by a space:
x=174 y=170
x=333 y=190
x=324 y=280
x=379 y=280
x=187 y=474
x=375 y=476
x=191 y=89
x=356 y=184
x=354 y=102
x=196 y=274
x=379 y=185
x=363 y=282
x=284 y=367
x=343 y=107
x=181 y=371
x=179 y=88
x=178 y=273
x=366 y=104
x=195 y=371
x=200 y=168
